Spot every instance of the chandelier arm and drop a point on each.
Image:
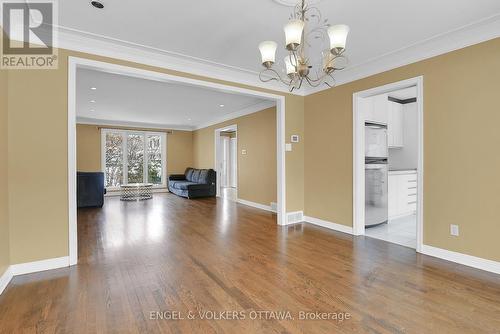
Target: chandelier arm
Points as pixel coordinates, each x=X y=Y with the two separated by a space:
x=294 y=53
x=266 y=79
x=340 y=55
x=330 y=75
x=314 y=83
x=300 y=82
x=312 y=80
x=276 y=78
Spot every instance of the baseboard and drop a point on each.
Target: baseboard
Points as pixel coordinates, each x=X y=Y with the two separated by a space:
x=36 y=266
x=31 y=267
x=5 y=279
x=329 y=225
x=255 y=205
x=460 y=258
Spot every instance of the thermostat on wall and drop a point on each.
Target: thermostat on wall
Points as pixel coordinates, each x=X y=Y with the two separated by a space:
x=294 y=139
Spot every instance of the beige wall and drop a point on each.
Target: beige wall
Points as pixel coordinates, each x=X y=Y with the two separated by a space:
x=461 y=137
x=4 y=215
x=37 y=159
x=38 y=163
x=257 y=179
x=179 y=151
x=88 y=149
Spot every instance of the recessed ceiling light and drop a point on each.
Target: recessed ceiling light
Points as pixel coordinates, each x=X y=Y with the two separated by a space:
x=97 y=4
x=93 y=88
x=92 y=101
x=92 y=110
x=221 y=105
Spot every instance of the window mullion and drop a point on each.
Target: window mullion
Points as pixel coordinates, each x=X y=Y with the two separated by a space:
x=145 y=160
x=125 y=157
x=163 y=148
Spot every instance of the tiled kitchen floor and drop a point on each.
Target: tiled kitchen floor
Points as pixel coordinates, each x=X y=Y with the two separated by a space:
x=401 y=231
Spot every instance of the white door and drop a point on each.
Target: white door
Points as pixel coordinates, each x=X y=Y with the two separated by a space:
x=233 y=153
x=225 y=162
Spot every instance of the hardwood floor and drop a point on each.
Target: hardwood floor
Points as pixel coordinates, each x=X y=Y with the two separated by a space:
x=173 y=254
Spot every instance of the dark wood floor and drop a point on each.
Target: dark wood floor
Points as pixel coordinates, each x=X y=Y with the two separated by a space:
x=172 y=254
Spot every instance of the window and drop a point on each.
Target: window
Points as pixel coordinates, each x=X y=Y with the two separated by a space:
x=133 y=157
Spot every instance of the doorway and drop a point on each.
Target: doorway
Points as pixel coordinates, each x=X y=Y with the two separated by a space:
x=226 y=155
x=75 y=63
x=388 y=163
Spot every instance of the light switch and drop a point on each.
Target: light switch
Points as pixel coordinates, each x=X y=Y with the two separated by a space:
x=288 y=147
x=243 y=152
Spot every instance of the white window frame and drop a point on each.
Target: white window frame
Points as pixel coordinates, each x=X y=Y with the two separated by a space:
x=145 y=134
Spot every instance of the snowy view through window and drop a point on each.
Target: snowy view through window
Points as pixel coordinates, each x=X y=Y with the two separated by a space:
x=133 y=157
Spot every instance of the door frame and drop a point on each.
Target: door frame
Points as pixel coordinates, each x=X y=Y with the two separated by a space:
x=78 y=62
x=218 y=154
x=359 y=150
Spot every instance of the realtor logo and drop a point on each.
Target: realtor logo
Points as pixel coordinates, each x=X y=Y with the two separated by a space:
x=28 y=38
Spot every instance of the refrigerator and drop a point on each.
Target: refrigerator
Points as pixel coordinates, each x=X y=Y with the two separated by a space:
x=376 y=173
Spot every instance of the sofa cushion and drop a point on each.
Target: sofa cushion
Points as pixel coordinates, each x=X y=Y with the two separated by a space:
x=195 y=176
x=203 y=178
x=182 y=185
x=189 y=174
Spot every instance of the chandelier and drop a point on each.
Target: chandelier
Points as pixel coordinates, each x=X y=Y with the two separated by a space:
x=305 y=25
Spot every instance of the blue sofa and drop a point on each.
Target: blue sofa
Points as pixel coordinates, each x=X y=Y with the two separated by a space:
x=193 y=183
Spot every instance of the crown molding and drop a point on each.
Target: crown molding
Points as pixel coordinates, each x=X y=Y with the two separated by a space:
x=242 y=112
x=81 y=41
x=474 y=33
x=107 y=122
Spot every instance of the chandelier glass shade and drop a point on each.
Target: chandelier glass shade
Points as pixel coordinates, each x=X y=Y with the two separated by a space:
x=306 y=24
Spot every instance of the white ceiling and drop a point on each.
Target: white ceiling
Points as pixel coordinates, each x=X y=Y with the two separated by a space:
x=229 y=31
x=133 y=101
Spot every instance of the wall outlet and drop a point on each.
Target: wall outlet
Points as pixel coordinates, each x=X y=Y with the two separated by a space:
x=244 y=152
x=288 y=147
x=454 y=230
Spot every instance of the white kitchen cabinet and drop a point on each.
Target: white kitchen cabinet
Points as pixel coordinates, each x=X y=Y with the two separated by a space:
x=402 y=193
x=366 y=105
x=395 y=124
x=375 y=108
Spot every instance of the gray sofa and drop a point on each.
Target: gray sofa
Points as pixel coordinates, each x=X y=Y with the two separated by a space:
x=193 y=183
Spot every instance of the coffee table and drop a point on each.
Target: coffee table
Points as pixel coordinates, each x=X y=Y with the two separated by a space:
x=136 y=191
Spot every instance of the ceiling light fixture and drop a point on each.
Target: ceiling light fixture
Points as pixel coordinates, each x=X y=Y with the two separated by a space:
x=298 y=39
x=92 y=101
x=221 y=105
x=97 y=4
x=93 y=88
